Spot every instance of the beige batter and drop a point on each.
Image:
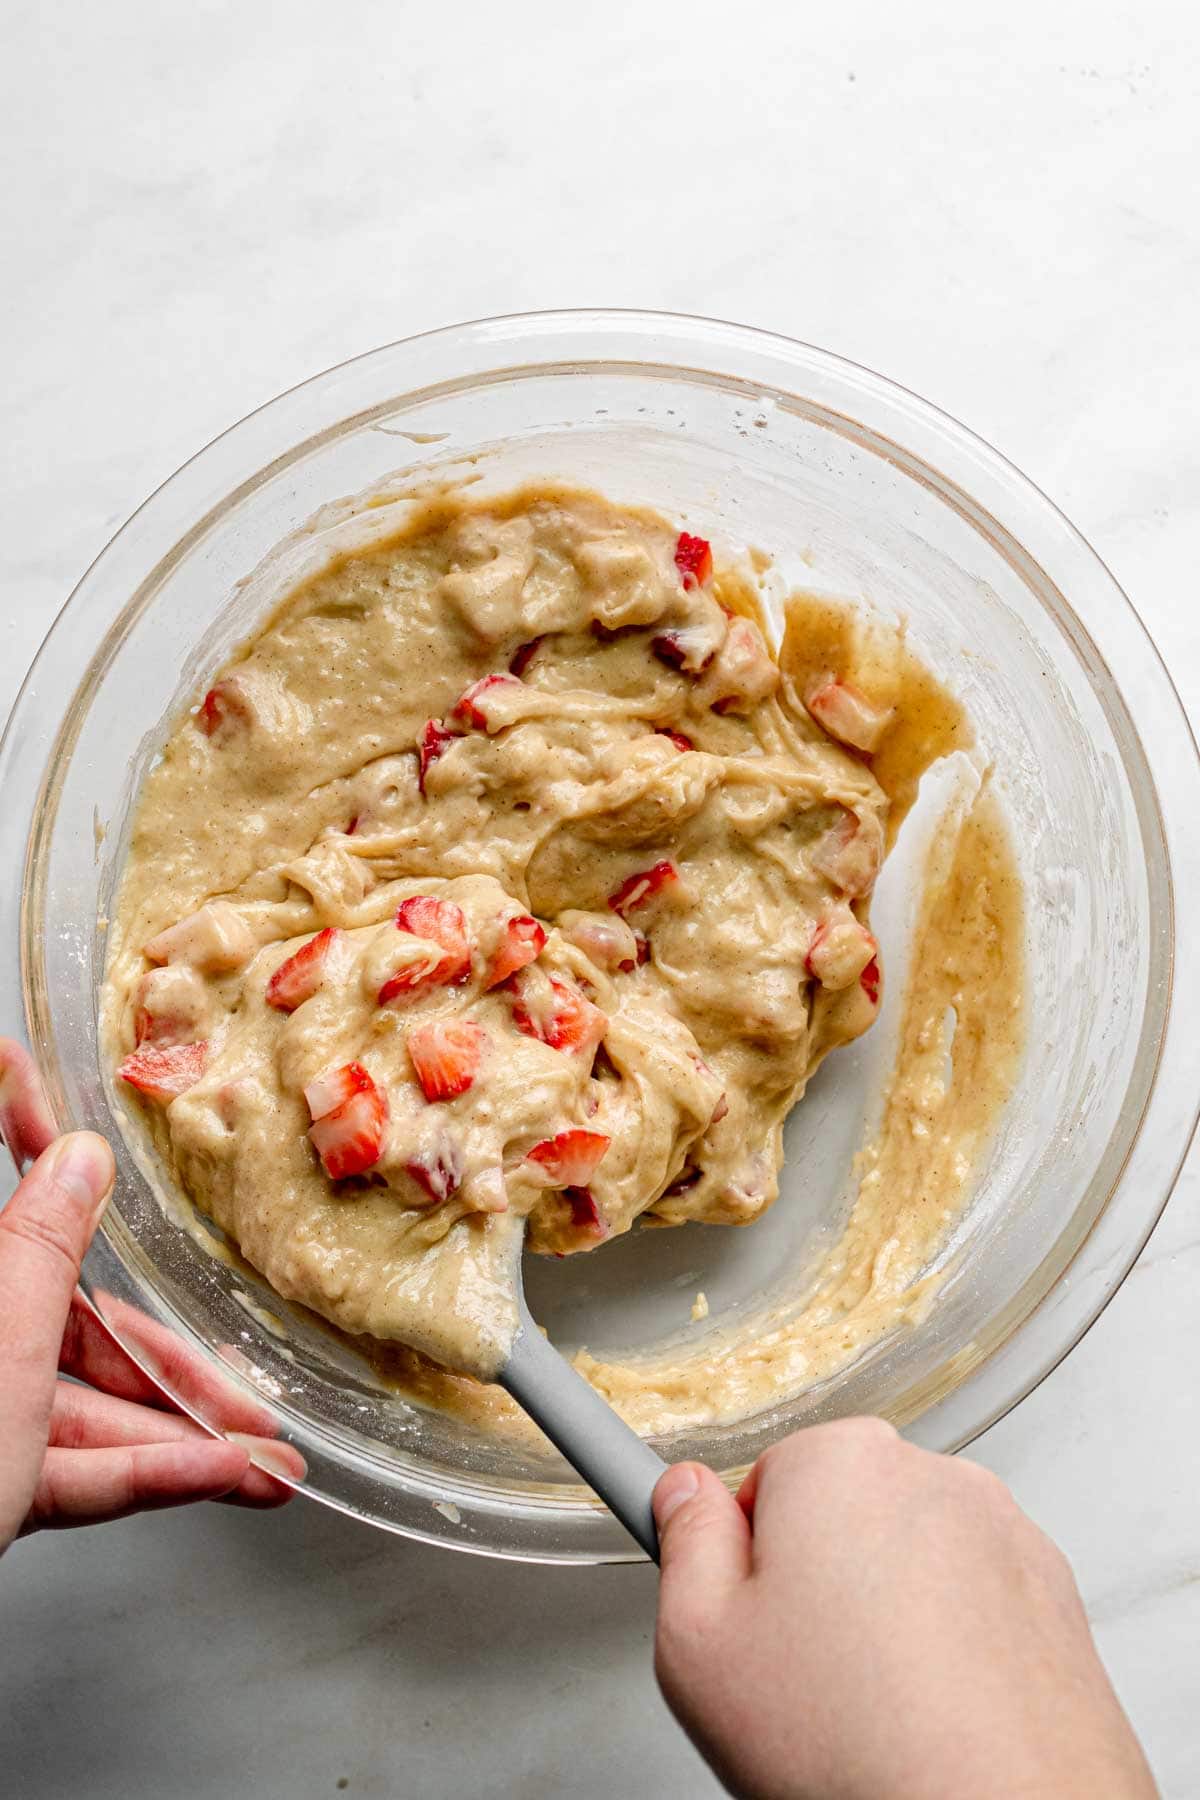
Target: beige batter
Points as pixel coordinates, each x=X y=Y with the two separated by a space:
x=409 y=960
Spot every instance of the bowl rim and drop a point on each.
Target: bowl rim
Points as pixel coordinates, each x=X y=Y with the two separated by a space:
x=889 y=403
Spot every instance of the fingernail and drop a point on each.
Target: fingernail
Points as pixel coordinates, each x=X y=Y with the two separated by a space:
x=276 y=1459
x=677 y=1487
x=83 y=1165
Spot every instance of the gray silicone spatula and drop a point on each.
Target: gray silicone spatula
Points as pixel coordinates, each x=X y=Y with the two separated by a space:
x=578 y=1421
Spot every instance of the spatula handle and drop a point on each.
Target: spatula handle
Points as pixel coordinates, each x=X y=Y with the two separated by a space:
x=611 y=1458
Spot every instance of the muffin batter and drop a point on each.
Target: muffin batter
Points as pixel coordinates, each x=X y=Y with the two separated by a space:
x=503 y=885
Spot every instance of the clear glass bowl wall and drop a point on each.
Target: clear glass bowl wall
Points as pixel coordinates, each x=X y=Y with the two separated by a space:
x=855 y=488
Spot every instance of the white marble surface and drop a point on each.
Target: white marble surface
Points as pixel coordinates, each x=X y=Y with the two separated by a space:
x=995 y=205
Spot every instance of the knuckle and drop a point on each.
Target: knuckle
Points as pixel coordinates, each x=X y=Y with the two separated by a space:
x=1052 y=1564
x=986 y=1488
x=868 y=1434
x=694 y=1521
x=863 y=1438
x=68 y=1426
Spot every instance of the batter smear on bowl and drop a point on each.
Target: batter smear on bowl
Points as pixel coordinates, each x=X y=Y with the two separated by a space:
x=505 y=882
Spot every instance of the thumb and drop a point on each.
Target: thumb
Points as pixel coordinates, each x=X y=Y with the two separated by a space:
x=45 y=1230
x=704 y=1536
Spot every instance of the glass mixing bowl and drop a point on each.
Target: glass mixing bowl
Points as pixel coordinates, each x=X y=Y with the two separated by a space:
x=855 y=487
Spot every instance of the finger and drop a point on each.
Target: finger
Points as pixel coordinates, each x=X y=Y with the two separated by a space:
x=92 y=1353
x=273 y=1478
x=747 y=1494
x=44 y=1230
x=790 y=1484
x=26 y=1123
x=82 y=1419
x=85 y=1420
x=90 y=1487
x=704 y=1538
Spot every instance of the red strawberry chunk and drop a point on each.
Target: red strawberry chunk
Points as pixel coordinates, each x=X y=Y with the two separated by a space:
x=840 y=949
x=349 y=1140
x=171 y=1006
x=570 y=1022
x=437 y=922
x=438 y=1168
x=609 y=943
x=335 y=1087
x=638 y=889
x=221 y=704
x=522 y=941
x=850 y=854
x=212 y=712
x=844 y=711
x=523 y=655
x=571 y=1158
x=435 y=741
x=693 y=559
x=688 y=648
x=744 y=672
x=163 y=1074
x=870 y=980
x=446 y=1054
x=472 y=706
x=677 y=738
x=585 y=1213
x=303 y=974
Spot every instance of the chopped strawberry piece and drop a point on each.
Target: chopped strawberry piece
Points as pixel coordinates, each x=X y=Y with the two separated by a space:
x=569 y=1023
x=643 y=949
x=745 y=671
x=523 y=655
x=171 y=1007
x=348 y=1139
x=720 y=1111
x=214 y=940
x=472 y=706
x=571 y=1158
x=584 y=1211
x=677 y=738
x=438 y=922
x=352 y=827
x=522 y=941
x=850 y=853
x=335 y=1087
x=446 y=1054
x=438 y=1168
x=688 y=648
x=609 y=943
x=302 y=975
x=435 y=741
x=845 y=713
x=840 y=949
x=638 y=889
x=693 y=559
x=212 y=712
x=163 y=1073
x=222 y=703
x=870 y=980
